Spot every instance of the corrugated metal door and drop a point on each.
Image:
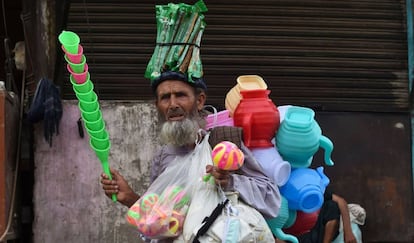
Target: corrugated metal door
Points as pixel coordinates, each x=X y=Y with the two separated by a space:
x=325 y=54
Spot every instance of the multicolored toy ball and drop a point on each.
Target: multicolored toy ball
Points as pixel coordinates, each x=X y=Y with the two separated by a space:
x=227 y=156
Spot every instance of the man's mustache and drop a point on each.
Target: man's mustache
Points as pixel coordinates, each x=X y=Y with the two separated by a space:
x=177 y=112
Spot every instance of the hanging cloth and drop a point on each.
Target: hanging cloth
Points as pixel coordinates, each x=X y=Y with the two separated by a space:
x=46 y=106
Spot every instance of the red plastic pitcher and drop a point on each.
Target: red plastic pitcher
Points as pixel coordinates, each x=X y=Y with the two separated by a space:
x=258 y=116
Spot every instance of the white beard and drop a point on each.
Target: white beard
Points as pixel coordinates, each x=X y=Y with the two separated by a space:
x=179 y=133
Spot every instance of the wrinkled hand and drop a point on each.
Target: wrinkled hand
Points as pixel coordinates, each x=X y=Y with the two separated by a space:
x=221 y=177
x=119 y=186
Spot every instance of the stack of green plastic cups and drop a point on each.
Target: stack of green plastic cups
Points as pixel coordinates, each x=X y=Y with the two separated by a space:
x=88 y=100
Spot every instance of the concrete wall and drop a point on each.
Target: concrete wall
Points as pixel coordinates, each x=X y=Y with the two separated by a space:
x=372 y=168
x=69 y=204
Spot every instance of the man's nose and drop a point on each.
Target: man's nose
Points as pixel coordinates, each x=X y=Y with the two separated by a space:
x=173 y=102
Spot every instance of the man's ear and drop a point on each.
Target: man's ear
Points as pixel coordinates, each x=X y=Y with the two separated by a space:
x=201 y=100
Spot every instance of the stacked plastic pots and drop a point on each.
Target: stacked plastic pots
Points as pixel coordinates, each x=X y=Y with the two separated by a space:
x=88 y=100
x=283 y=140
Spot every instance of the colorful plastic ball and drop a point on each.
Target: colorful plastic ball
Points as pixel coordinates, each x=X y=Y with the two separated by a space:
x=227 y=156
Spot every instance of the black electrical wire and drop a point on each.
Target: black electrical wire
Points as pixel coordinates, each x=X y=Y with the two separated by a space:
x=4 y=18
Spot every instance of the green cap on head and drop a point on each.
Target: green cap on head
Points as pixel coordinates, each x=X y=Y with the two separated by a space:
x=177 y=51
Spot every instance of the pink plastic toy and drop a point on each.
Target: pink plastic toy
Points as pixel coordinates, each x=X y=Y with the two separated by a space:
x=134 y=215
x=161 y=223
x=227 y=156
x=175 y=197
x=150 y=227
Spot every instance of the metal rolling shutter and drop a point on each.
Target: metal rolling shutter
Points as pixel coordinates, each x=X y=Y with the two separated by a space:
x=325 y=54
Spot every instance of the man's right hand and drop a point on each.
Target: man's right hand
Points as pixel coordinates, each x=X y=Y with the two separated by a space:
x=119 y=186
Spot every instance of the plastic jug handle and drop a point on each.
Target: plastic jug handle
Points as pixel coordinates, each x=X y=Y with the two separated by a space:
x=281 y=235
x=327 y=145
x=324 y=179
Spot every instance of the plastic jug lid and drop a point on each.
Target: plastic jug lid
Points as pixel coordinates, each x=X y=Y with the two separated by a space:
x=248 y=82
x=299 y=116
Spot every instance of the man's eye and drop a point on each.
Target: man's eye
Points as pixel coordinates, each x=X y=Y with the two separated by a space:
x=180 y=94
x=164 y=97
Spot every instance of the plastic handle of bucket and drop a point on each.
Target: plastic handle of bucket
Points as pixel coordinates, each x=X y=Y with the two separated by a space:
x=327 y=145
x=281 y=235
x=215 y=114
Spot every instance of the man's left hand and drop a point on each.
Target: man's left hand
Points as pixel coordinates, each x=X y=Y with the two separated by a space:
x=221 y=177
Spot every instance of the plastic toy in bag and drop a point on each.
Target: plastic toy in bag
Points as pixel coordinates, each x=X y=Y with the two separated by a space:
x=160 y=216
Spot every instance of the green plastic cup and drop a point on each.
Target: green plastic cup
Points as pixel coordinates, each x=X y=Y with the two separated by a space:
x=94 y=125
x=103 y=156
x=87 y=104
x=70 y=40
x=86 y=96
x=100 y=143
x=91 y=115
x=100 y=134
x=81 y=88
x=77 y=67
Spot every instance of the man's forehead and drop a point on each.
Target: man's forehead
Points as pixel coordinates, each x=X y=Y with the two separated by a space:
x=173 y=86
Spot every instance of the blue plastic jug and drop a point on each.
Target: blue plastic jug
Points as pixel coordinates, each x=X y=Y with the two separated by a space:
x=305 y=188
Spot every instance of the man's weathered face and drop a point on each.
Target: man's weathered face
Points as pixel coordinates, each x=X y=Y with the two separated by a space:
x=178 y=106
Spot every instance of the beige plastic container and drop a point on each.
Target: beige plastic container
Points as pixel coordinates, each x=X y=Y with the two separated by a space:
x=244 y=82
x=249 y=82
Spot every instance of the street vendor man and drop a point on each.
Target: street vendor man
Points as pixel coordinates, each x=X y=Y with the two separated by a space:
x=176 y=76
